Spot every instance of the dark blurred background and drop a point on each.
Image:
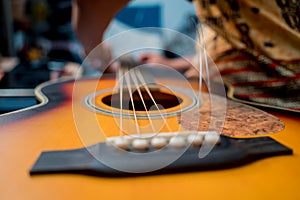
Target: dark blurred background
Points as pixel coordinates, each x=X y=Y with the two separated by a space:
x=37 y=41
x=38 y=34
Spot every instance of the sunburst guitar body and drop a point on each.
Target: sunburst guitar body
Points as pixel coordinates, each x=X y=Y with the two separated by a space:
x=72 y=143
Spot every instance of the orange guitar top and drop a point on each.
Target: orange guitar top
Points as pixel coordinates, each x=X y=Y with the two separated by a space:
x=49 y=126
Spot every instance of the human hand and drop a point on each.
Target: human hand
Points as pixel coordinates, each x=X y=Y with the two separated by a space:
x=155 y=58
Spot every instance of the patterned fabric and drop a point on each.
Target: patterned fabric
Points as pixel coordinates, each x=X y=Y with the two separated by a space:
x=263 y=65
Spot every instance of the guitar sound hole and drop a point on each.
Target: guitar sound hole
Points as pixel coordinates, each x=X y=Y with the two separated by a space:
x=163 y=100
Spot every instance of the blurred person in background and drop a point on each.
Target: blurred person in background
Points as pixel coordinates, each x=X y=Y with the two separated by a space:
x=255 y=44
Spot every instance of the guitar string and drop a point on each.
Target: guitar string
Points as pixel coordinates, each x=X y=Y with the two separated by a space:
x=141 y=78
x=127 y=79
x=202 y=60
x=202 y=53
x=120 y=78
x=200 y=67
x=134 y=78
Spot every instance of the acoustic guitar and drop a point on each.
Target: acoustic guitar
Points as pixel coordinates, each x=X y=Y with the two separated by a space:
x=95 y=127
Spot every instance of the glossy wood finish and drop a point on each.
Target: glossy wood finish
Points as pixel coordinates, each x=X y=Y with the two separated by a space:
x=25 y=134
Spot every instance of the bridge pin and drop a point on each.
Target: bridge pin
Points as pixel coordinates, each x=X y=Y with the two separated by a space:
x=140 y=144
x=122 y=143
x=212 y=139
x=195 y=139
x=158 y=142
x=177 y=142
